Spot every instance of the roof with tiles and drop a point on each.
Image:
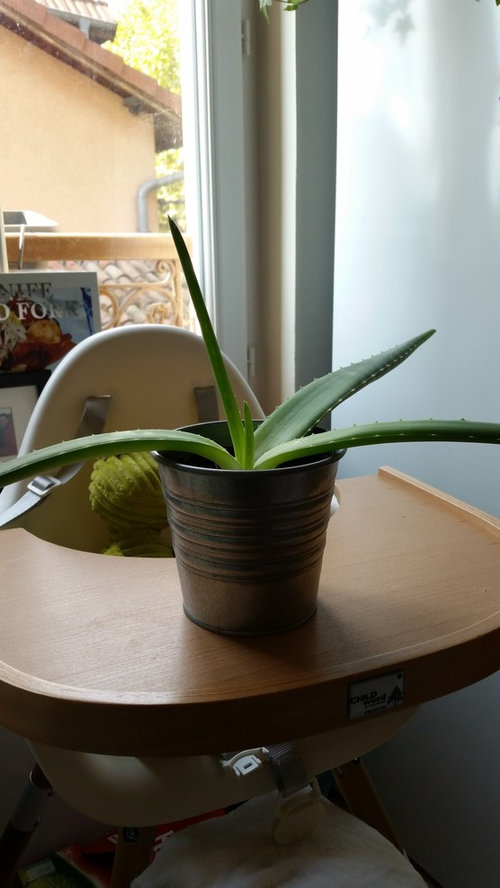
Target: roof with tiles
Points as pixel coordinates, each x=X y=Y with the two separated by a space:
x=93 y=17
x=91 y=9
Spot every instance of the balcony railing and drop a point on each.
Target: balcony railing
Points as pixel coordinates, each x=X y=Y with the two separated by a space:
x=139 y=275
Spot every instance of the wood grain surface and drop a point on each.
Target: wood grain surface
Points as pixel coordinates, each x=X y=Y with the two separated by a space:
x=96 y=653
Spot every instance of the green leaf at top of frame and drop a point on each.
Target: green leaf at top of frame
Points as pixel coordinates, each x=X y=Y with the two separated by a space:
x=222 y=381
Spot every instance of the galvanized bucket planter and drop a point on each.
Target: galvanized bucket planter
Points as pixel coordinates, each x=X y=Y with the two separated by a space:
x=248 y=544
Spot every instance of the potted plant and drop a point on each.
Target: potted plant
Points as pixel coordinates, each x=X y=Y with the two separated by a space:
x=248 y=572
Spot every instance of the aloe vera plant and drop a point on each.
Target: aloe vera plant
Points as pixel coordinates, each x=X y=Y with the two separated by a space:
x=283 y=435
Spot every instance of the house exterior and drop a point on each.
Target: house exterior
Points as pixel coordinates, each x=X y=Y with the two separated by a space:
x=79 y=129
x=93 y=17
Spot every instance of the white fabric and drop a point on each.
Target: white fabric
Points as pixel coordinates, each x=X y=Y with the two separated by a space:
x=237 y=851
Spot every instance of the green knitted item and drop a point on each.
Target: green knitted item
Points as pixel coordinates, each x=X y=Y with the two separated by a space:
x=126 y=492
x=145 y=543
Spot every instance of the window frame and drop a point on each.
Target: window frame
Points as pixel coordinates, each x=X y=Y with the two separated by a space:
x=219 y=140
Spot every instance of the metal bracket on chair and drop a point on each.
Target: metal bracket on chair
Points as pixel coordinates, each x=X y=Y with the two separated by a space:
x=206 y=403
x=42 y=485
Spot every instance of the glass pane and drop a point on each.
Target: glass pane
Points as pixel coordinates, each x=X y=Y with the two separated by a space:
x=92 y=126
x=82 y=130
x=147 y=39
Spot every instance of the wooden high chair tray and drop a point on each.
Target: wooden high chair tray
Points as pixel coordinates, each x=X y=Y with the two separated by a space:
x=96 y=653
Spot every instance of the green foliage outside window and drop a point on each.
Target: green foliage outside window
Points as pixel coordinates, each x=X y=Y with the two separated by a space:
x=147 y=39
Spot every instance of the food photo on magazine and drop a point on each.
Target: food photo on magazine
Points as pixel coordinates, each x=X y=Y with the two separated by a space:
x=43 y=315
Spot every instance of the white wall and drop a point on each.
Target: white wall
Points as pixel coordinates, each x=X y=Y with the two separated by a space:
x=417 y=246
x=417 y=241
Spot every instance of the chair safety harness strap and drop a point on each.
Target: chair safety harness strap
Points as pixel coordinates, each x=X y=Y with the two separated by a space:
x=298 y=805
x=92 y=422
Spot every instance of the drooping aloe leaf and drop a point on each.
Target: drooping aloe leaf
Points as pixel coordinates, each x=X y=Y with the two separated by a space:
x=93 y=446
x=226 y=393
x=382 y=433
x=303 y=410
x=249 y=436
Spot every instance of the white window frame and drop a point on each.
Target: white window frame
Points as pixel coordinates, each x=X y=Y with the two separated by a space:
x=217 y=140
x=264 y=267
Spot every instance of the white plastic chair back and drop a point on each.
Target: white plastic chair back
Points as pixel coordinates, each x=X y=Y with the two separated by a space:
x=150 y=372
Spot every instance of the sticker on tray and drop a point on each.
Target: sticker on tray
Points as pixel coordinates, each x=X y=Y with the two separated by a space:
x=376 y=694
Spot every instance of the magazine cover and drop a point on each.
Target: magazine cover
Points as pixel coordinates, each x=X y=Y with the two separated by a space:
x=43 y=315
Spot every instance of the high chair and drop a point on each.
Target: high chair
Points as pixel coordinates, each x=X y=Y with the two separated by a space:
x=138 y=717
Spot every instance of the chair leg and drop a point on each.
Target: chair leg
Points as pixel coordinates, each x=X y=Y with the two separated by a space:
x=25 y=819
x=361 y=798
x=134 y=852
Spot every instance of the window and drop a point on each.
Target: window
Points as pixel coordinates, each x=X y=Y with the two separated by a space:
x=81 y=129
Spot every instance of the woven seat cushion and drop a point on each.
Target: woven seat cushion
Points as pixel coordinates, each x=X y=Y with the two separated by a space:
x=238 y=851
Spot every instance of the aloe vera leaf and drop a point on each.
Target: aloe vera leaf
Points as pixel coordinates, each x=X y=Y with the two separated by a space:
x=108 y=443
x=382 y=433
x=249 y=436
x=226 y=393
x=301 y=411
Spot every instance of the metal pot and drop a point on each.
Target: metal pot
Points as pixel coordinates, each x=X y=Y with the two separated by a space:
x=248 y=544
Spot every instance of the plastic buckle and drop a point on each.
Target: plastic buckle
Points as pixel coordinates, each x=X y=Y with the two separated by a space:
x=296 y=815
x=241 y=763
x=298 y=806
x=42 y=485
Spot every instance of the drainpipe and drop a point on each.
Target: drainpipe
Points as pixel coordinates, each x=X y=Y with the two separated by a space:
x=142 y=195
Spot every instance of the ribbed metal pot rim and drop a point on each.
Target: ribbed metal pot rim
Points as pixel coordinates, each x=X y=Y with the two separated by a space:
x=191 y=462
